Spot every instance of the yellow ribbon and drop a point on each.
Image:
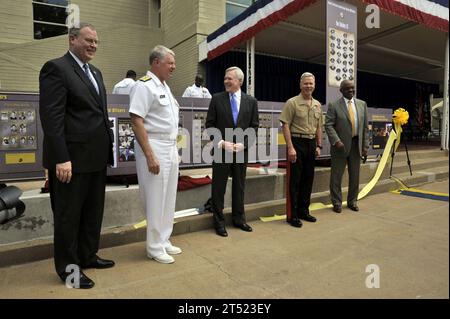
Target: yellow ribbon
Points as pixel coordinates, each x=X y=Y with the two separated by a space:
x=400 y=117
x=381 y=165
x=363 y=193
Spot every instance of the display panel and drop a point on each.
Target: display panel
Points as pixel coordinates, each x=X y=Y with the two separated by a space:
x=341 y=53
x=21 y=135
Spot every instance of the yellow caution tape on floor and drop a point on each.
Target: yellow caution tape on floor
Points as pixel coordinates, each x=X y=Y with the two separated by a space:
x=317 y=206
x=140 y=225
x=144 y=224
x=403 y=187
x=272 y=218
x=421 y=191
x=400 y=182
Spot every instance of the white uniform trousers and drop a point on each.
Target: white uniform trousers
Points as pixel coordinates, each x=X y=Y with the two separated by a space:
x=158 y=193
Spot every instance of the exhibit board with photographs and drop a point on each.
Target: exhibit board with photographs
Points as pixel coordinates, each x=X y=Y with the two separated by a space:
x=341 y=44
x=113 y=126
x=18 y=127
x=126 y=140
x=20 y=137
x=380 y=126
x=341 y=52
x=123 y=146
x=26 y=162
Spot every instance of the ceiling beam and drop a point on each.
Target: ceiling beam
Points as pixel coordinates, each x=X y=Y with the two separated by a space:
x=404 y=55
x=387 y=32
x=295 y=27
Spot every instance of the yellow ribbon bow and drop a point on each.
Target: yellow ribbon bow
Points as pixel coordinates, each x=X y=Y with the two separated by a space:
x=400 y=117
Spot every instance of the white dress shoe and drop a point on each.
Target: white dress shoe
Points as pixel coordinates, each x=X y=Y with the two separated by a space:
x=173 y=250
x=163 y=259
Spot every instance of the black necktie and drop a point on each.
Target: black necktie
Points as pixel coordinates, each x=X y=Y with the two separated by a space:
x=90 y=76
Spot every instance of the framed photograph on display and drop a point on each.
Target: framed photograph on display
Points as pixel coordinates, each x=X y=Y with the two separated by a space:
x=341 y=54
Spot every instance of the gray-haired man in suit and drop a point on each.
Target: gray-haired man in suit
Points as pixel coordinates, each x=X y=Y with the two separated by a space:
x=229 y=111
x=77 y=148
x=347 y=130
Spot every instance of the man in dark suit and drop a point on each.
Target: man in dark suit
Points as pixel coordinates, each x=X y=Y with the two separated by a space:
x=228 y=111
x=347 y=129
x=77 y=149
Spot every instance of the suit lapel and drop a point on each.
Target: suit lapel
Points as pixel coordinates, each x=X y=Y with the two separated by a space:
x=242 y=107
x=227 y=102
x=86 y=80
x=359 y=112
x=345 y=110
x=100 y=85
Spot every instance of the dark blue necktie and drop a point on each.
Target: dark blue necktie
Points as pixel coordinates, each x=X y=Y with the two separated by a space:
x=90 y=76
x=234 y=108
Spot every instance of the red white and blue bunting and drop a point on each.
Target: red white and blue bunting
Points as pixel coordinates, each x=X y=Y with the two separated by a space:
x=265 y=13
x=256 y=18
x=432 y=13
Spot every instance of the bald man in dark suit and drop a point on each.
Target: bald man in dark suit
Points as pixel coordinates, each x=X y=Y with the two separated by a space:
x=347 y=129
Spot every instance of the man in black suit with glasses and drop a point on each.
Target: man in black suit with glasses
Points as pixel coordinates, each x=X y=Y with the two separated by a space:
x=77 y=150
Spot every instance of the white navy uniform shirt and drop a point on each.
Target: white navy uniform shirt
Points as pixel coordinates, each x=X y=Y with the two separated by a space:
x=195 y=91
x=124 y=86
x=152 y=100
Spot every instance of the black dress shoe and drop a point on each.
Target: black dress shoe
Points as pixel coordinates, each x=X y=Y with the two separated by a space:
x=308 y=218
x=295 y=222
x=99 y=263
x=353 y=207
x=83 y=282
x=337 y=208
x=221 y=231
x=243 y=226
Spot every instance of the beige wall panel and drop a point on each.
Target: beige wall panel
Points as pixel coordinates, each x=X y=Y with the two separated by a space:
x=104 y=13
x=16 y=21
x=16 y=16
x=179 y=20
x=131 y=52
x=125 y=39
x=187 y=66
x=121 y=48
x=211 y=16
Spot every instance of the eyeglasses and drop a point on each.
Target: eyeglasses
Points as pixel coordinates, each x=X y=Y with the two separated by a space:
x=92 y=41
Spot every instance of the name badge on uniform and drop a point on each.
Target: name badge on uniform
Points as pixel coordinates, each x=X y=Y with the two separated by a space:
x=164 y=100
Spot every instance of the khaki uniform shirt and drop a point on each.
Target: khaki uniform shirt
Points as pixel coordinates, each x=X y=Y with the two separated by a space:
x=302 y=117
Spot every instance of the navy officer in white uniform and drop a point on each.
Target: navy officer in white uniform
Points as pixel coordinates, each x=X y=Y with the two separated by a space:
x=197 y=89
x=125 y=86
x=154 y=117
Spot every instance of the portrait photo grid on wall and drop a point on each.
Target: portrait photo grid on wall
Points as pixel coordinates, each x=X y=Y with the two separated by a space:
x=18 y=129
x=126 y=140
x=341 y=52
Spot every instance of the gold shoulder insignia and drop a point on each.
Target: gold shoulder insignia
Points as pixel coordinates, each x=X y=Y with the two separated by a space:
x=145 y=78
